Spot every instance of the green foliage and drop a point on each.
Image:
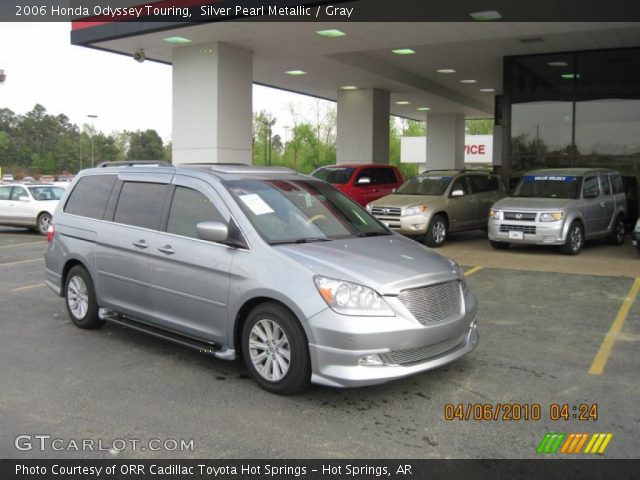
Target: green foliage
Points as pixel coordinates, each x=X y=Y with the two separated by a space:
x=482 y=126
x=40 y=143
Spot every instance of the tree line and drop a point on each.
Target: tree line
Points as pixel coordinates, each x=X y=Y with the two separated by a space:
x=41 y=143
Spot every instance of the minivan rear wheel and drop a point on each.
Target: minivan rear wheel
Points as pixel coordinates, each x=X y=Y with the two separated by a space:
x=437 y=232
x=575 y=239
x=80 y=298
x=275 y=349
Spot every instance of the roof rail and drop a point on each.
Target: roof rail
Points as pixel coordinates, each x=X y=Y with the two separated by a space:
x=134 y=163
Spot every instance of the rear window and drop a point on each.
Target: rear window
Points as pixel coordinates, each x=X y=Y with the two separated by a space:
x=339 y=175
x=140 y=204
x=382 y=176
x=90 y=195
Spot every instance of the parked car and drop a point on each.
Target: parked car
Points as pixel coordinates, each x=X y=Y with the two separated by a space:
x=28 y=205
x=47 y=179
x=635 y=238
x=437 y=202
x=7 y=178
x=264 y=263
x=28 y=179
x=562 y=207
x=364 y=183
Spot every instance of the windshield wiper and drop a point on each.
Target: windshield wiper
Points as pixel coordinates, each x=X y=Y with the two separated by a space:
x=370 y=234
x=301 y=240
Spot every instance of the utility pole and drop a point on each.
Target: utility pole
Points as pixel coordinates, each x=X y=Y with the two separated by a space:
x=92 y=117
x=269 y=124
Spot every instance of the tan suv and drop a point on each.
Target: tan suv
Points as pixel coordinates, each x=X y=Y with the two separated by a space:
x=437 y=202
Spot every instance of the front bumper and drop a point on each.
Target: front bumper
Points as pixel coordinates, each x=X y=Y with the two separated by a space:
x=407 y=225
x=536 y=233
x=341 y=343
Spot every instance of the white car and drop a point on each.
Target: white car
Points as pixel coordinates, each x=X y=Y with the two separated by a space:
x=29 y=205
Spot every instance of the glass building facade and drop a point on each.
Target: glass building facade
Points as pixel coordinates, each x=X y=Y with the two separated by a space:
x=577 y=109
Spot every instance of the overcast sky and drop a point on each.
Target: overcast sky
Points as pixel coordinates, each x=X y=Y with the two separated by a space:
x=43 y=67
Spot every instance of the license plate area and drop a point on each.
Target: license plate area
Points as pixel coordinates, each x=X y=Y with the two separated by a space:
x=515 y=235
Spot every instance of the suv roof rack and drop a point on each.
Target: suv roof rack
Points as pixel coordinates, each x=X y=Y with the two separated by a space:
x=231 y=168
x=134 y=163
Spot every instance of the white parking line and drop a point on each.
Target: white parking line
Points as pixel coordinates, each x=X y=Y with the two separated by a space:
x=22 y=244
x=28 y=287
x=31 y=260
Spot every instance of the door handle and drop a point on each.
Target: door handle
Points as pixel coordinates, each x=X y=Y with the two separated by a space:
x=140 y=244
x=602 y=204
x=166 y=249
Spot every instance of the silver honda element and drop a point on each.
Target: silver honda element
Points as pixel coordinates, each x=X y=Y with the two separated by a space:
x=263 y=263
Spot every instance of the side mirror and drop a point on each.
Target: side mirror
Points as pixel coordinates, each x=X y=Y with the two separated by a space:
x=363 y=181
x=212 y=231
x=393 y=190
x=591 y=194
x=457 y=193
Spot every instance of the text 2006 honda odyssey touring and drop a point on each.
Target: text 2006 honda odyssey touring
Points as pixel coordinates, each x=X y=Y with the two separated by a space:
x=267 y=264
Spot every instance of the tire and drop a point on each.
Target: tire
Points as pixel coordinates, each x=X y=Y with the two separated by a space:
x=499 y=245
x=43 y=222
x=437 y=232
x=268 y=323
x=575 y=239
x=617 y=234
x=80 y=299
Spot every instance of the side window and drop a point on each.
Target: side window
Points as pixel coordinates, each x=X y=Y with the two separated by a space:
x=368 y=173
x=461 y=183
x=616 y=181
x=18 y=192
x=494 y=183
x=479 y=183
x=384 y=176
x=89 y=197
x=590 y=188
x=4 y=193
x=188 y=208
x=140 y=204
x=604 y=181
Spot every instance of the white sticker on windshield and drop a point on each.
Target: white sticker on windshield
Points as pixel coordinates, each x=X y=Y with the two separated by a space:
x=257 y=205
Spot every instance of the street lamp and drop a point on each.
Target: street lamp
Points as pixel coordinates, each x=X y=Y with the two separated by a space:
x=269 y=124
x=92 y=117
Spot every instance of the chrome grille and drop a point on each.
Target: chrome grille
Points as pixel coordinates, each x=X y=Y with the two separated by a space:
x=522 y=216
x=435 y=303
x=528 y=229
x=386 y=211
x=420 y=354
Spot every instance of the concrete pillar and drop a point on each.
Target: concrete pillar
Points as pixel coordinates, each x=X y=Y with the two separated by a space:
x=363 y=126
x=445 y=141
x=212 y=102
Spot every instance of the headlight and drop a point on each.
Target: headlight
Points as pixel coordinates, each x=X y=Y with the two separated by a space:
x=414 y=210
x=495 y=214
x=349 y=298
x=368 y=207
x=637 y=229
x=551 y=216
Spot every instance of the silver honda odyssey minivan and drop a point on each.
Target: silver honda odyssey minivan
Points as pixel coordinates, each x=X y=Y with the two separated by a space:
x=266 y=264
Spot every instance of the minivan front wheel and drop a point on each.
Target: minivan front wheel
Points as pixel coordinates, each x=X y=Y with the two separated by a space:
x=437 y=232
x=575 y=239
x=80 y=299
x=275 y=349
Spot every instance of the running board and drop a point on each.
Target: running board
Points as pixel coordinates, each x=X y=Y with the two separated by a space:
x=202 y=347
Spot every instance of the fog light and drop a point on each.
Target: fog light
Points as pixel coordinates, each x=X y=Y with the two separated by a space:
x=417 y=226
x=370 y=361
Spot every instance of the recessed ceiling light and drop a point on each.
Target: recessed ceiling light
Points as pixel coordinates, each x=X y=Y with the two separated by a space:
x=487 y=90
x=403 y=51
x=446 y=70
x=469 y=81
x=403 y=102
x=177 y=40
x=558 y=64
x=332 y=33
x=570 y=76
x=486 y=16
x=349 y=87
x=295 y=72
x=423 y=109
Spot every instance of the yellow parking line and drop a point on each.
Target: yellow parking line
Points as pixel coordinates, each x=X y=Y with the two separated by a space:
x=21 y=261
x=472 y=270
x=22 y=244
x=600 y=360
x=28 y=287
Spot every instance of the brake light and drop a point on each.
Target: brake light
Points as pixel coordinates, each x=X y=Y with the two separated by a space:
x=51 y=231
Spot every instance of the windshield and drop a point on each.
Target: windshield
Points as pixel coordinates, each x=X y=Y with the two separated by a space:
x=339 y=175
x=425 y=185
x=299 y=211
x=548 y=186
x=46 y=193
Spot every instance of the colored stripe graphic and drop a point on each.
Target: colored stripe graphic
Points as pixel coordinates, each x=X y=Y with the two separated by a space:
x=572 y=443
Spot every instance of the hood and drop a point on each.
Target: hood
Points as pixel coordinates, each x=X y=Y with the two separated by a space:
x=388 y=263
x=397 y=200
x=532 y=203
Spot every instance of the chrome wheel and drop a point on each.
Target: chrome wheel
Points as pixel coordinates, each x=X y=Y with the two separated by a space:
x=575 y=239
x=43 y=223
x=77 y=297
x=269 y=350
x=620 y=232
x=439 y=231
